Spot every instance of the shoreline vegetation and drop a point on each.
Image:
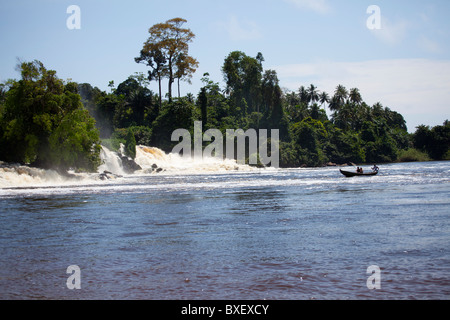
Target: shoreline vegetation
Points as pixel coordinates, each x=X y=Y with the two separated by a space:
x=49 y=123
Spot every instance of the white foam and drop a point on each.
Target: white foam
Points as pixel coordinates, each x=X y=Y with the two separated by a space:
x=147 y=157
x=17 y=176
x=111 y=162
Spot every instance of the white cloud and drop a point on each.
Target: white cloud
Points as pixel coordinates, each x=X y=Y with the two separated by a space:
x=241 y=30
x=319 y=6
x=417 y=88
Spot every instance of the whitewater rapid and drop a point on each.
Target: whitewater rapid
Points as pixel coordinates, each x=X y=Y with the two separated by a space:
x=151 y=160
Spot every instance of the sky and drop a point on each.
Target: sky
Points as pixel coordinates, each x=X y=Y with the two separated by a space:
x=397 y=55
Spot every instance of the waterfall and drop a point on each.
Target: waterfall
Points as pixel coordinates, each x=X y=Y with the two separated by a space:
x=111 y=162
x=150 y=158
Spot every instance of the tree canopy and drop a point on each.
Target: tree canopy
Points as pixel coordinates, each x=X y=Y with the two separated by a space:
x=43 y=122
x=166 y=52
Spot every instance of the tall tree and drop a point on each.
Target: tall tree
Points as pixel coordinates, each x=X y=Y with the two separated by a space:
x=269 y=86
x=242 y=75
x=339 y=98
x=313 y=95
x=303 y=94
x=154 y=58
x=355 y=96
x=203 y=100
x=324 y=98
x=168 y=43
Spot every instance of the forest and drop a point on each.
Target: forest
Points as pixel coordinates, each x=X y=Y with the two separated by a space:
x=50 y=123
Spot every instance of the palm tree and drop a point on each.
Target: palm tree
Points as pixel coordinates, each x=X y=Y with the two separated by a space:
x=355 y=96
x=341 y=94
x=313 y=95
x=303 y=94
x=339 y=99
x=324 y=98
x=377 y=109
x=292 y=100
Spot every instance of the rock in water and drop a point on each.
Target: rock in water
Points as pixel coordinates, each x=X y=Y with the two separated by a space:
x=108 y=175
x=129 y=165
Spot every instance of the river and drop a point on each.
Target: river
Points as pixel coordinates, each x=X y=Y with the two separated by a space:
x=229 y=232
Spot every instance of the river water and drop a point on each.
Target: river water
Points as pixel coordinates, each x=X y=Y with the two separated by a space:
x=276 y=234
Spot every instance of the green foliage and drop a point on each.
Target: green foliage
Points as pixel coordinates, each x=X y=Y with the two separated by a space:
x=309 y=135
x=434 y=141
x=344 y=147
x=44 y=123
x=178 y=114
x=411 y=155
x=242 y=75
x=130 y=144
x=75 y=143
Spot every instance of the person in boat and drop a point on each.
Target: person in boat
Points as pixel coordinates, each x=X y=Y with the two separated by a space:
x=359 y=170
x=375 y=168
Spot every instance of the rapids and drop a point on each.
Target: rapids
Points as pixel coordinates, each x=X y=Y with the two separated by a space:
x=151 y=160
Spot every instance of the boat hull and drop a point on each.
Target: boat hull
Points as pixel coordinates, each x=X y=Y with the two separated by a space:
x=349 y=174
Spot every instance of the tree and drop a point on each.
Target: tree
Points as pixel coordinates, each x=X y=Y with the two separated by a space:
x=217 y=105
x=270 y=83
x=303 y=94
x=313 y=95
x=434 y=141
x=308 y=137
x=260 y=58
x=154 y=58
x=324 y=98
x=130 y=144
x=44 y=122
x=203 y=100
x=166 y=51
x=138 y=98
x=242 y=75
x=339 y=98
x=175 y=115
x=355 y=96
x=109 y=113
x=74 y=143
x=186 y=67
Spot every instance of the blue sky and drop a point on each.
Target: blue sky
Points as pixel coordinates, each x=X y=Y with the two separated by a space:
x=405 y=65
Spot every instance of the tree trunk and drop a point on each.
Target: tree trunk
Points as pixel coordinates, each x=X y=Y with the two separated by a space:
x=160 y=102
x=170 y=79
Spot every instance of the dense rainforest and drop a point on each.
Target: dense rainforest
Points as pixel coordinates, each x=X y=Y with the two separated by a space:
x=50 y=123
